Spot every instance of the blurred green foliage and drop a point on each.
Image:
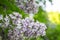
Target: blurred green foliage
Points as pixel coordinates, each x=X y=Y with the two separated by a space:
x=53 y=33
x=8 y=6
x=41 y=15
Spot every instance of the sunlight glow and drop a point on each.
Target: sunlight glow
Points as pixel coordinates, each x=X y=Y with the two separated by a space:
x=54 y=7
x=54 y=17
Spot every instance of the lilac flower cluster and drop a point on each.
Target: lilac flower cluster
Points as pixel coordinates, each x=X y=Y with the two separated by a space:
x=29 y=6
x=26 y=28
x=23 y=28
x=5 y=21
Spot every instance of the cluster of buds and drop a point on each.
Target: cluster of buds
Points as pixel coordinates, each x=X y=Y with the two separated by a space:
x=4 y=21
x=29 y=6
